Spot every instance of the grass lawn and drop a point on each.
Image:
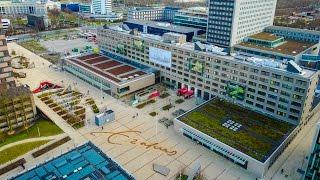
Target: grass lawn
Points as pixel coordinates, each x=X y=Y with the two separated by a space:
x=34 y=46
x=18 y=150
x=46 y=127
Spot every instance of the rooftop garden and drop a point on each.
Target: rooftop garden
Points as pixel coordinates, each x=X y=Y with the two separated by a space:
x=258 y=136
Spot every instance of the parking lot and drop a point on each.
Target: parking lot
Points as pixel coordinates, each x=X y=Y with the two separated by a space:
x=63 y=46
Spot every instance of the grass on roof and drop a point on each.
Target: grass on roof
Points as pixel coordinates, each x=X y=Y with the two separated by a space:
x=257 y=137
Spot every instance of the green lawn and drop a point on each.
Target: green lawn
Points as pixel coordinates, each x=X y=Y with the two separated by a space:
x=34 y=46
x=18 y=150
x=46 y=127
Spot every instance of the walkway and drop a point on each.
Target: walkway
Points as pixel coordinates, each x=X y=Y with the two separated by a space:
x=31 y=140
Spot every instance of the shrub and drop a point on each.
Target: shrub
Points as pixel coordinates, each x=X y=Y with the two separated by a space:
x=179 y=101
x=50 y=147
x=164 y=95
x=167 y=107
x=153 y=114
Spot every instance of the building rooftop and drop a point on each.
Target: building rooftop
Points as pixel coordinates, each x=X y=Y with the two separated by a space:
x=84 y=162
x=265 y=36
x=113 y=70
x=307 y=73
x=164 y=25
x=289 y=47
x=247 y=131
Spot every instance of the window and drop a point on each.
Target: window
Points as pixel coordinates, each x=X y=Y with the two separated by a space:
x=281 y=99
x=270 y=109
x=273 y=89
x=296 y=104
x=272 y=96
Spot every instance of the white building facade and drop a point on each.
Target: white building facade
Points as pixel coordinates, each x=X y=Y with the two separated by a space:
x=230 y=21
x=101 y=6
x=9 y=8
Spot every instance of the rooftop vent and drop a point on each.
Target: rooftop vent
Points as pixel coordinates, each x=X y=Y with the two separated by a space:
x=199 y=47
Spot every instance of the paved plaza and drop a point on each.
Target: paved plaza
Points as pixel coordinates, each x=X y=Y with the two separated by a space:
x=138 y=142
x=62 y=46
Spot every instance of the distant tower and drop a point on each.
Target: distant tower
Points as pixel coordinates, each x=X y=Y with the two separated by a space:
x=230 y=21
x=101 y=6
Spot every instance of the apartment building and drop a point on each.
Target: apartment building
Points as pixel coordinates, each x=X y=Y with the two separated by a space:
x=17 y=106
x=230 y=21
x=282 y=91
x=22 y=8
x=152 y=13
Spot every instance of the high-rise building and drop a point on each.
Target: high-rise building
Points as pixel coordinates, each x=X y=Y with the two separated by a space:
x=101 y=6
x=230 y=21
x=17 y=107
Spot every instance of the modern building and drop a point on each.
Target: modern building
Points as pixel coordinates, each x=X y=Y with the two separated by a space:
x=85 y=8
x=196 y=17
x=159 y=28
x=283 y=44
x=113 y=77
x=83 y=162
x=230 y=21
x=227 y=129
x=101 y=6
x=313 y=168
x=275 y=100
x=17 y=106
x=40 y=23
x=74 y=7
x=14 y=9
x=281 y=90
x=152 y=13
x=5 y=23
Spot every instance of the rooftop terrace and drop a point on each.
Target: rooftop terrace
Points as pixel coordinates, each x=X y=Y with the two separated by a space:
x=265 y=36
x=84 y=162
x=289 y=47
x=257 y=135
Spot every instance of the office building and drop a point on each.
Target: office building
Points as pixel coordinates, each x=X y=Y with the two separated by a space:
x=17 y=106
x=152 y=13
x=273 y=92
x=5 y=23
x=113 y=77
x=159 y=28
x=230 y=21
x=284 y=91
x=40 y=23
x=313 y=168
x=22 y=8
x=101 y=7
x=85 y=8
x=283 y=44
x=196 y=17
x=226 y=129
